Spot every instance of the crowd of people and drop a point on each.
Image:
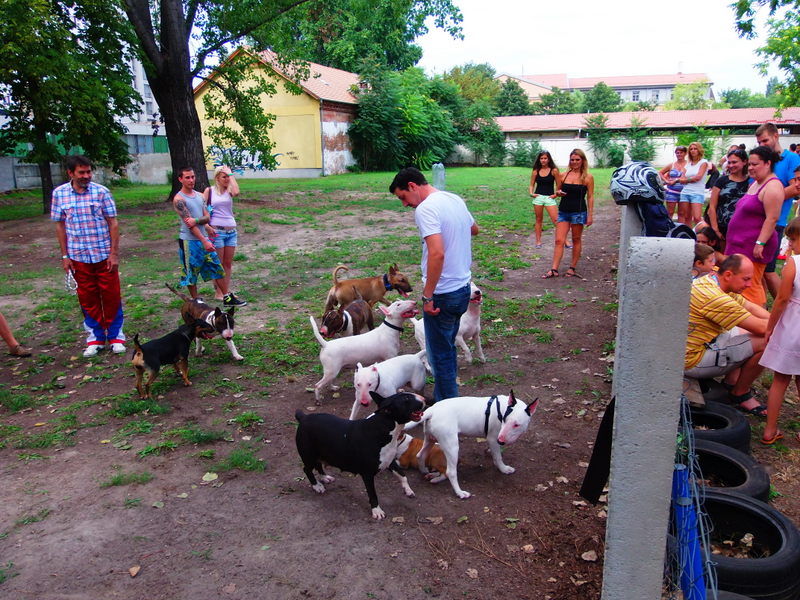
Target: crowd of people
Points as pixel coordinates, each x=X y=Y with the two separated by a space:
x=731 y=333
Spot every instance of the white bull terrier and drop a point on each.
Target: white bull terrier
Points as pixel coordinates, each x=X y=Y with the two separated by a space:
x=379 y=344
x=387 y=377
x=500 y=419
x=469 y=328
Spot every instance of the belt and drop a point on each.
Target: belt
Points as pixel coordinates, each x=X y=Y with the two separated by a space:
x=220 y=228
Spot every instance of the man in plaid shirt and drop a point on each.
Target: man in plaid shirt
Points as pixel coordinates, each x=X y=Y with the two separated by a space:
x=88 y=233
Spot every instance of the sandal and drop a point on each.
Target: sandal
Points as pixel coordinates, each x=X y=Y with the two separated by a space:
x=756 y=411
x=19 y=350
x=550 y=274
x=572 y=273
x=768 y=442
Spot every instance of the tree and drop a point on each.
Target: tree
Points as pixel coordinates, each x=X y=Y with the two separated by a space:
x=398 y=122
x=782 y=46
x=349 y=34
x=512 y=100
x=476 y=82
x=606 y=150
x=744 y=98
x=67 y=82
x=485 y=139
x=689 y=96
x=165 y=29
x=558 y=102
x=640 y=141
x=602 y=98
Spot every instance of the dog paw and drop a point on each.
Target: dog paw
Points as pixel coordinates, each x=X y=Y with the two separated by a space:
x=378 y=514
x=506 y=469
x=327 y=478
x=482 y=359
x=238 y=357
x=319 y=488
x=433 y=478
x=463 y=495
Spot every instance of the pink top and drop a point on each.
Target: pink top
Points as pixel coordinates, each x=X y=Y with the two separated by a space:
x=222 y=215
x=745 y=227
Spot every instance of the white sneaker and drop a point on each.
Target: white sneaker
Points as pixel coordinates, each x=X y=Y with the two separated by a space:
x=118 y=348
x=91 y=350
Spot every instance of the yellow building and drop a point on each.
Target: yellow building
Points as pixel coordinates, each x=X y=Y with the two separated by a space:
x=310 y=131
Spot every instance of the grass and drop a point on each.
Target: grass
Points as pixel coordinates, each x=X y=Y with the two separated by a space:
x=122 y=478
x=196 y=435
x=247 y=419
x=242 y=458
x=28 y=519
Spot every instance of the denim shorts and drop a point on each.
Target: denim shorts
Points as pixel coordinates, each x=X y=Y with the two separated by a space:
x=574 y=218
x=693 y=198
x=225 y=237
x=672 y=196
x=774 y=262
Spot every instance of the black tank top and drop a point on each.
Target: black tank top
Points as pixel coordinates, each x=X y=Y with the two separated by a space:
x=575 y=199
x=545 y=184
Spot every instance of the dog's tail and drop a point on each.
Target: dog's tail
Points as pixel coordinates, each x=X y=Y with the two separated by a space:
x=137 y=348
x=320 y=339
x=180 y=295
x=356 y=294
x=421 y=354
x=336 y=273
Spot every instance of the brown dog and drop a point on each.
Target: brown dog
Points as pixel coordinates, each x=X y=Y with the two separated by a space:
x=353 y=319
x=371 y=289
x=171 y=349
x=407 y=451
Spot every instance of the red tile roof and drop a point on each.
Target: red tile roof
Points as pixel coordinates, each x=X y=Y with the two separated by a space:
x=667 y=119
x=324 y=83
x=562 y=81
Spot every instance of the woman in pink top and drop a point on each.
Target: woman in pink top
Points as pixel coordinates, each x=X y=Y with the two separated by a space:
x=219 y=198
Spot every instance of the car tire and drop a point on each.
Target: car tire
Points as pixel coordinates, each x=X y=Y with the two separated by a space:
x=723 y=424
x=734 y=470
x=772 y=577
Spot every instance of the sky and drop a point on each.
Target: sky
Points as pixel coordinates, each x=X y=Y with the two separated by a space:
x=585 y=38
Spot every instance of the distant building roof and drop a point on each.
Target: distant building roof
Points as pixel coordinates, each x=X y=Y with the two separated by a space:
x=561 y=80
x=323 y=83
x=668 y=119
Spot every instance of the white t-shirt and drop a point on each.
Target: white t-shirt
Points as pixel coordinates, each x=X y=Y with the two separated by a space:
x=447 y=214
x=696 y=187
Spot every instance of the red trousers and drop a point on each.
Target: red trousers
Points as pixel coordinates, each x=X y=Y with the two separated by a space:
x=99 y=297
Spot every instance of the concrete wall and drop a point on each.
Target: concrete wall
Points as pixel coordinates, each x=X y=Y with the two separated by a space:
x=337 y=150
x=149 y=168
x=15 y=174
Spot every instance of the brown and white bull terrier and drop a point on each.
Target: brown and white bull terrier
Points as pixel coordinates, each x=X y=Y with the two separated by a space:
x=372 y=289
x=222 y=322
x=352 y=319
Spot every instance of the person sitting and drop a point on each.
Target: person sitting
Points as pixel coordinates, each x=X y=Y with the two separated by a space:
x=708 y=236
x=713 y=347
x=704 y=260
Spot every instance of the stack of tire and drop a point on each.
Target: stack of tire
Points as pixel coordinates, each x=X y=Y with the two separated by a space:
x=739 y=505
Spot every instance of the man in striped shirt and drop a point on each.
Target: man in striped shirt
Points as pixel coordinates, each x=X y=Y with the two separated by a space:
x=88 y=233
x=713 y=347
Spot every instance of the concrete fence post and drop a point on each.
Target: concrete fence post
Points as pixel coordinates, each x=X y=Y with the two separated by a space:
x=648 y=373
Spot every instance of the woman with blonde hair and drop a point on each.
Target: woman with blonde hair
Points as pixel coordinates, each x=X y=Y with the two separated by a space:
x=219 y=198
x=693 y=194
x=544 y=179
x=574 y=211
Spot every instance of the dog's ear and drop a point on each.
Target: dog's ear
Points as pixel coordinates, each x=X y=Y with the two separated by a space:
x=231 y=311
x=384 y=310
x=358 y=367
x=217 y=312
x=392 y=269
x=377 y=398
x=531 y=408
x=511 y=400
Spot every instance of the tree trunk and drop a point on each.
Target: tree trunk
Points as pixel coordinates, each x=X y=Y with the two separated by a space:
x=47 y=186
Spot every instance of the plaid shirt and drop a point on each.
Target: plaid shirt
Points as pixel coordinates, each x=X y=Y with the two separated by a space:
x=84 y=214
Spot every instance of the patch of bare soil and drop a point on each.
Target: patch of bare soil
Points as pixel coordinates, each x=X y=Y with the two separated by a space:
x=267 y=534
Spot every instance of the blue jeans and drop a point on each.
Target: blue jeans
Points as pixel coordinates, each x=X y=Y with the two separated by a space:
x=440 y=340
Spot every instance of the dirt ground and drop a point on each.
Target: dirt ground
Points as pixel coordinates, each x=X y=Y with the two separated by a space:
x=267 y=534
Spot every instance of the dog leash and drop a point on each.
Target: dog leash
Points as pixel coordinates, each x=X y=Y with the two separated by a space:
x=501 y=418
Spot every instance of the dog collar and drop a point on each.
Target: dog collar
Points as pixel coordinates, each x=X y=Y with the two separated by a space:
x=395 y=327
x=502 y=418
x=386 y=283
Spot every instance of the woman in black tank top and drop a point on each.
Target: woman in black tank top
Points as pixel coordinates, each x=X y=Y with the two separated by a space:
x=544 y=178
x=574 y=212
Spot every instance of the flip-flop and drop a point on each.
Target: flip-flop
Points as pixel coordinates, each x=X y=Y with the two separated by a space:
x=775 y=438
x=756 y=411
x=550 y=274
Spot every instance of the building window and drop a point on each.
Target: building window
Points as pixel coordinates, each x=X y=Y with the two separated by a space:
x=147 y=93
x=655 y=95
x=635 y=95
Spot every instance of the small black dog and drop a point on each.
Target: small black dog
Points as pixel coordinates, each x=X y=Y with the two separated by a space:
x=172 y=349
x=364 y=447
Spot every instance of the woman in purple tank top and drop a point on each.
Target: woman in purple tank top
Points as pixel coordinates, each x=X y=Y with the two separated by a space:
x=219 y=199
x=751 y=230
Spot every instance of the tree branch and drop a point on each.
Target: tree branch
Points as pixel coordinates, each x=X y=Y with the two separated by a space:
x=191 y=13
x=203 y=55
x=138 y=12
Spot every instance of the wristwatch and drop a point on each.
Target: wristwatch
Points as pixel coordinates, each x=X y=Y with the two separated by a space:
x=426 y=299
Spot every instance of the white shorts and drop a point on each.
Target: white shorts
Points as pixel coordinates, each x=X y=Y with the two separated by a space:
x=728 y=351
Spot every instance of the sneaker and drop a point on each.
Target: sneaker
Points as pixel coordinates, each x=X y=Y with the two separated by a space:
x=231 y=300
x=118 y=348
x=91 y=350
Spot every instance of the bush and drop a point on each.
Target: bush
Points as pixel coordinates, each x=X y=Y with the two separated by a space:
x=523 y=154
x=615 y=154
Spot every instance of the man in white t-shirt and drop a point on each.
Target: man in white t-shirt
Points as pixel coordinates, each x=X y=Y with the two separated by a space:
x=446 y=228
